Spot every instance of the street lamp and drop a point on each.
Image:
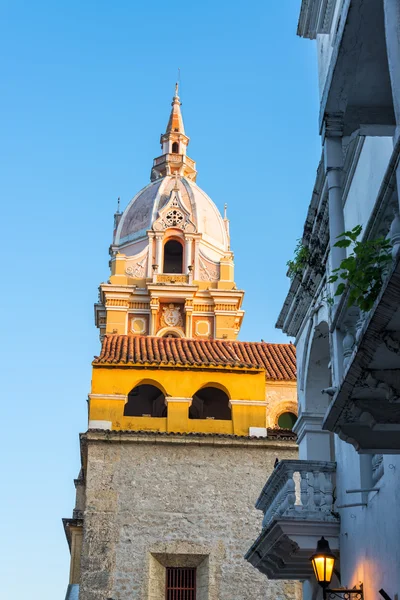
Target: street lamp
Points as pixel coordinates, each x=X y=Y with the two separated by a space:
x=323 y=562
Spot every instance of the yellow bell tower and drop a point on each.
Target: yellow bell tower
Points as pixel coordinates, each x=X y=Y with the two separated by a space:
x=172 y=270
x=170 y=378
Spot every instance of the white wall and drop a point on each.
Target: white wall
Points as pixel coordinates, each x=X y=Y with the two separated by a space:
x=367 y=179
x=325 y=45
x=369 y=538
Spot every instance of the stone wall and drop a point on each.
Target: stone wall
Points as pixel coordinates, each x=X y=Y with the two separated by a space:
x=158 y=501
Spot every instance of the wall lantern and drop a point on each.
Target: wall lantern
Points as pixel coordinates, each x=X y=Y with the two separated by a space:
x=323 y=562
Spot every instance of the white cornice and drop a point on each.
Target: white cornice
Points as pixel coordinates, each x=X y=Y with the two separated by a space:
x=248 y=403
x=107 y=396
x=315 y=17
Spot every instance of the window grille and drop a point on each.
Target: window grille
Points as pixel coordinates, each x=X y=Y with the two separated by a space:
x=180 y=584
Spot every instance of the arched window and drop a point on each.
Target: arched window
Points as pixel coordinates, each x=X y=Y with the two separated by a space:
x=145 y=401
x=210 y=403
x=287 y=420
x=173 y=257
x=175 y=148
x=318 y=376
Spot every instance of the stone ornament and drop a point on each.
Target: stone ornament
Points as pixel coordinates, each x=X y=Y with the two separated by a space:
x=208 y=271
x=202 y=328
x=174 y=214
x=171 y=316
x=137 y=270
x=138 y=325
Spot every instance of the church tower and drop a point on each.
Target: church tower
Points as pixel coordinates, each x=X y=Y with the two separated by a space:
x=184 y=421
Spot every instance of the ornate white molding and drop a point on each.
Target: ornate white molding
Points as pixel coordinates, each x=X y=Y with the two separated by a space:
x=315 y=17
x=100 y=425
x=187 y=401
x=174 y=214
x=107 y=396
x=248 y=403
x=257 y=431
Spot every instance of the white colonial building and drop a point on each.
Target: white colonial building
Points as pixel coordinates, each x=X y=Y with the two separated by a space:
x=346 y=484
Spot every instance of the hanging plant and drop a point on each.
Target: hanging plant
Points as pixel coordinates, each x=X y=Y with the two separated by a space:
x=362 y=271
x=299 y=262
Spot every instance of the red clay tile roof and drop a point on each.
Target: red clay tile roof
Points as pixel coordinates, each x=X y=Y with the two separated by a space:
x=272 y=434
x=278 y=360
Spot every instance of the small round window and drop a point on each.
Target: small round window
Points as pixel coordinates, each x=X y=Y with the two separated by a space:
x=287 y=420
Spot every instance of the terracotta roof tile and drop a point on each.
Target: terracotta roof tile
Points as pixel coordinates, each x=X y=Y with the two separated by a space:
x=272 y=434
x=278 y=360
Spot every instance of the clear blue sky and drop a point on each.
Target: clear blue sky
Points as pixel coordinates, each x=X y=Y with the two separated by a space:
x=85 y=91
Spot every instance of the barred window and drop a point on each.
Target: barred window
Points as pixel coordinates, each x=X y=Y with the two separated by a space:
x=180 y=584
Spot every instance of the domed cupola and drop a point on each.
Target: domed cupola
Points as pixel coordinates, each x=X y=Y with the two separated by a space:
x=172 y=243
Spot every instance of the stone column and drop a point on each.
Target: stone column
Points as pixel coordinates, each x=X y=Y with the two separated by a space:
x=196 y=273
x=333 y=158
x=159 y=237
x=76 y=549
x=188 y=312
x=154 y=306
x=188 y=252
x=392 y=31
x=150 y=255
x=178 y=414
x=314 y=442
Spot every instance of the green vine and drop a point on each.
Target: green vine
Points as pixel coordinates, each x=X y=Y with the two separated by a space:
x=299 y=262
x=361 y=271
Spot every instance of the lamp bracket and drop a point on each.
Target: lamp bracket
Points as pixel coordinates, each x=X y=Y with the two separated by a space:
x=345 y=594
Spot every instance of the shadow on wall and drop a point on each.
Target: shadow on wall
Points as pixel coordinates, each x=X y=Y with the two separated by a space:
x=145 y=401
x=210 y=403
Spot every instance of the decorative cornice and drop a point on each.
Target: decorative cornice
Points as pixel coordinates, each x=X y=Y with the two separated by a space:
x=108 y=396
x=207 y=439
x=248 y=403
x=315 y=17
x=169 y=399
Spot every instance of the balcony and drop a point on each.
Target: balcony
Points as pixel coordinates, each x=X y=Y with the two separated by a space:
x=365 y=408
x=297 y=502
x=172 y=278
x=357 y=88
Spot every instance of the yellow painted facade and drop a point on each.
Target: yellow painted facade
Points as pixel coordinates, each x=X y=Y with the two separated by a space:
x=199 y=301
x=246 y=390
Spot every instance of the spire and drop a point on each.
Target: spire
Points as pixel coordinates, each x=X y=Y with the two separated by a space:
x=175 y=122
x=117 y=217
x=174 y=144
x=226 y=223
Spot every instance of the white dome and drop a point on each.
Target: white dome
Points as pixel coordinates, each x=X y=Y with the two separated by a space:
x=143 y=210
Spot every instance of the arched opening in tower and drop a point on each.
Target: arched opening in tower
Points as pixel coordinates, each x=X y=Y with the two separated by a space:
x=175 y=148
x=173 y=257
x=286 y=420
x=145 y=401
x=210 y=403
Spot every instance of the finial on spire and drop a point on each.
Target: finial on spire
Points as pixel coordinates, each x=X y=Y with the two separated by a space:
x=117 y=218
x=226 y=223
x=176 y=90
